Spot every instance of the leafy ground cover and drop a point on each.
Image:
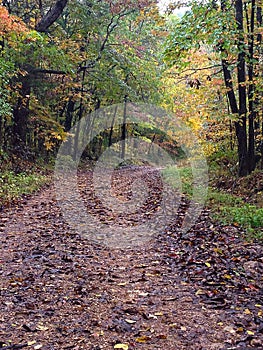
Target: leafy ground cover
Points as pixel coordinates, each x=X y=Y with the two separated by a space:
x=231 y=200
x=13 y=186
x=20 y=177
x=58 y=290
x=240 y=202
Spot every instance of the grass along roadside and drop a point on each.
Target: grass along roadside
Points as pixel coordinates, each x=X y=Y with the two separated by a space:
x=230 y=209
x=225 y=207
x=13 y=186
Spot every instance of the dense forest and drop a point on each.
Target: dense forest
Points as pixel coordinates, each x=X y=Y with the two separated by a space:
x=94 y=55
x=199 y=62
x=131 y=174
x=61 y=60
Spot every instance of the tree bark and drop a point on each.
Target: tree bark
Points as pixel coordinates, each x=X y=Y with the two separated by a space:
x=241 y=124
x=123 y=130
x=51 y=16
x=259 y=53
x=229 y=85
x=21 y=113
x=112 y=126
x=69 y=115
x=1 y=131
x=238 y=107
x=251 y=93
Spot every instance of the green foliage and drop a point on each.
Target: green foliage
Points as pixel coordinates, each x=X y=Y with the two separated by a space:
x=6 y=72
x=223 y=161
x=13 y=186
x=218 y=199
x=96 y=54
x=204 y=25
x=225 y=207
x=36 y=51
x=230 y=209
x=230 y=34
x=185 y=175
x=248 y=216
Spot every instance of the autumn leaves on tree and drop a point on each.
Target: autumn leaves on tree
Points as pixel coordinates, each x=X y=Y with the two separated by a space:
x=230 y=36
x=71 y=60
x=60 y=60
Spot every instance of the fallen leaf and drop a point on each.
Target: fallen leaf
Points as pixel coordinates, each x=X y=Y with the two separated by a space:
x=158 y=314
x=143 y=339
x=200 y=292
x=130 y=321
x=121 y=346
x=40 y=327
x=230 y=329
x=247 y=312
x=161 y=336
x=32 y=342
x=152 y=316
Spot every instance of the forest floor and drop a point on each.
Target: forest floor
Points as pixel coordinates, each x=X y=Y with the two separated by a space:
x=58 y=290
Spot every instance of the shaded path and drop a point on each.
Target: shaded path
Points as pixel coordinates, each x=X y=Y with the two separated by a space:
x=59 y=291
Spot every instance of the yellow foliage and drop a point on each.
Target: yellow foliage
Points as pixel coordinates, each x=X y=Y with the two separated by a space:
x=196 y=95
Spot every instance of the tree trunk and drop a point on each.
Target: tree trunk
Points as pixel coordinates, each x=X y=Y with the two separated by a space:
x=112 y=127
x=240 y=107
x=51 y=16
x=241 y=124
x=241 y=134
x=251 y=93
x=21 y=113
x=1 y=131
x=69 y=115
x=229 y=85
x=259 y=53
x=80 y=114
x=123 y=129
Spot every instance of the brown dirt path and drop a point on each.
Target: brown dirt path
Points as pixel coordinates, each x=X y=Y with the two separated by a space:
x=60 y=291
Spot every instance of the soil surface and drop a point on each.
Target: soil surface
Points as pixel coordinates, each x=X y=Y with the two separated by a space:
x=59 y=290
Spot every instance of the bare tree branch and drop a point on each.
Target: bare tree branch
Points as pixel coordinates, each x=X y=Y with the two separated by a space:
x=110 y=28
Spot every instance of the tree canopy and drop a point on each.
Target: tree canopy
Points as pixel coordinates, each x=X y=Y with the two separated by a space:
x=230 y=35
x=60 y=60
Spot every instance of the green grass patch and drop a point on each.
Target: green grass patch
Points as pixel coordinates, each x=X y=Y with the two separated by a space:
x=217 y=198
x=181 y=178
x=247 y=216
x=225 y=207
x=13 y=186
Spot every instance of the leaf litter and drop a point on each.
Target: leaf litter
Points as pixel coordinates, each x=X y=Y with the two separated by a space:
x=199 y=290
